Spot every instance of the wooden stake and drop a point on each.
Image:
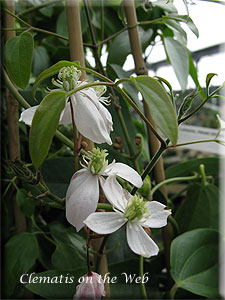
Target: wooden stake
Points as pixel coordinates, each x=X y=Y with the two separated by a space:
x=12 y=119
x=77 y=54
x=140 y=68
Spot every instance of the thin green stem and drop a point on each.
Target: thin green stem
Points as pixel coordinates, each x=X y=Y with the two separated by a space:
x=195 y=142
x=122 y=80
x=150 y=166
x=51 y=196
x=75 y=148
x=200 y=105
x=173 y=291
x=35 y=28
x=100 y=253
x=111 y=37
x=14 y=29
x=37 y=7
x=141 y=270
x=8 y=186
x=172 y=180
x=89 y=85
x=141 y=114
x=45 y=235
x=105 y=206
x=203 y=175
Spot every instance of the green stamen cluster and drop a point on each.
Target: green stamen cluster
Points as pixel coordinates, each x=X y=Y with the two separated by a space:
x=100 y=90
x=97 y=160
x=136 y=208
x=69 y=77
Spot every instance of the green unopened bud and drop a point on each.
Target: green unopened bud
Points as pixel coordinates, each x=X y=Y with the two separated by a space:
x=187 y=103
x=69 y=77
x=136 y=208
x=145 y=190
x=21 y=171
x=97 y=160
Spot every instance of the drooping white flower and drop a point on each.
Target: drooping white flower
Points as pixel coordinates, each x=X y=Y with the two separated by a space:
x=92 y=287
x=133 y=211
x=92 y=119
x=83 y=192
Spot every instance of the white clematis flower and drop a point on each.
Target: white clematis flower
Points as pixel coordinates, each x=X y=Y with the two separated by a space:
x=92 y=119
x=83 y=192
x=133 y=211
x=221 y=125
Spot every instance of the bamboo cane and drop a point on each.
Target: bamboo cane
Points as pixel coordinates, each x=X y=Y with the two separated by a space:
x=77 y=54
x=12 y=119
x=140 y=68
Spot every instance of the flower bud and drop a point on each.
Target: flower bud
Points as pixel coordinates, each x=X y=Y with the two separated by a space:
x=92 y=287
x=146 y=187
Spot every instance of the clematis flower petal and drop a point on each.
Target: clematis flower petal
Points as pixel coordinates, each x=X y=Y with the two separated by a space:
x=105 y=222
x=66 y=117
x=157 y=219
x=155 y=206
x=80 y=200
x=139 y=241
x=27 y=115
x=89 y=121
x=124 y=172
x=106 y=117
x=114 y=193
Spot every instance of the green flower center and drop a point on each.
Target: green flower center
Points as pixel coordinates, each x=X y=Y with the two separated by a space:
x=97 y=160
x=69 y=77
x=136 y=208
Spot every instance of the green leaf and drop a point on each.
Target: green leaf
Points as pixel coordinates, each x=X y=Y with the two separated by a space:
x=186 y=19
x=128 y=86
x=41 y=60
x=166 y=83
x=26 y=204
x=178 y=56
x=188 y=167
x=175 y=26
x=58 y=182
x=48 y=283
x=165 y=5
x=200 y=209
x=209 y=77
x=61 y=26
x=194 y=75
x=65 y=256
x=51 y=71
x=194 y=262
x=21 y=252
x=18 y=58
x=161 y=107
x=44 y=125
x=120 y=46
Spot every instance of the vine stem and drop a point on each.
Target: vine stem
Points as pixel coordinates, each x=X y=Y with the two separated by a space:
x=172 y=180
x=173 y=291
x=150 y=166
x=196 y=142
x=75 y=148
x=141 y=271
